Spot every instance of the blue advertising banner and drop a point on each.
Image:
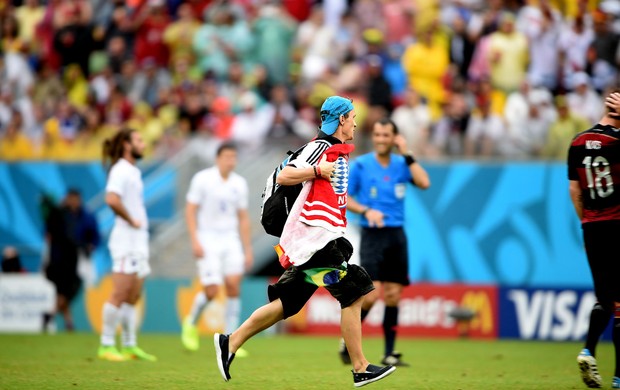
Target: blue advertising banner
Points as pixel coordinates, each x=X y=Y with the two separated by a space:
x=510 y=224
x=546 y=314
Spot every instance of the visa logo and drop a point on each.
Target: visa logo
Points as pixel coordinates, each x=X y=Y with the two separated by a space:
x=593 y=144
x=552 y=315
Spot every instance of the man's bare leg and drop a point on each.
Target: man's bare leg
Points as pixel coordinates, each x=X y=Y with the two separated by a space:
x=261 y=319
x=351 y=328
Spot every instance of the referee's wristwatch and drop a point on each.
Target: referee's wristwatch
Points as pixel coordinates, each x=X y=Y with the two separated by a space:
x=365 y=211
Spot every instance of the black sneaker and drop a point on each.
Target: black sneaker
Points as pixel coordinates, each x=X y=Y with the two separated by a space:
x=221 y=354
x=372 y=374
x=394 y=360
x=344 y=353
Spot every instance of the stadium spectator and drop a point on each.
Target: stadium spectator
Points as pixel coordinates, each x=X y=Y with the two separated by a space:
x=596 y=200
x=508 y=55
x=69 y=230
x=179 y=35
x=528 y=113
x=562 y=130
x=321 y=247
x=584 y=100
x=484 y=131
x=378 y=90
x=222 y=39
x=65 y=123
x=275 y=30
x=233 y=86
x=73 y=35
x=462 y=45
x=150 y=23
x=148 y=82
x=87 y=145
x=604 y=53
x=541 y=24
x=251 y=126
x=14 y=145
x=219 y=227
x=117 y=53
x=313 y=42
x=413 y=120
x=398 y=17
x=377 y=185
x=48 y=90
x=28 y=15
x=283 y=114
x=76 y=85
x=128 y=244
x=192 y=114
x=10 y=260
x=118 y=109
x=574 y=43
x=220 y=119
x=449 y=133
x=426 y=63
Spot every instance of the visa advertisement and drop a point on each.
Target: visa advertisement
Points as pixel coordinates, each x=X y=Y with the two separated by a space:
x=546 y=314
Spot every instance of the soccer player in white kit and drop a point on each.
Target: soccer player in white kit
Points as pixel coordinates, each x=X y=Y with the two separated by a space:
x=219 y=227
x=128 y=244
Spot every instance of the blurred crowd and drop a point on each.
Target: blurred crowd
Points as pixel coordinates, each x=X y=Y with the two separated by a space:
x=461 y=78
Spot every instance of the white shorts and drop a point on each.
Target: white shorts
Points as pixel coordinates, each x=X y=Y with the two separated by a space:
x=223 y=256
x=129 y=249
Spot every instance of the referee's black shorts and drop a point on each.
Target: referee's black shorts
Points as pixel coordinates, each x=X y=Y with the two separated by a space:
x=599 y=239
x=384 y=255
x=294 y=291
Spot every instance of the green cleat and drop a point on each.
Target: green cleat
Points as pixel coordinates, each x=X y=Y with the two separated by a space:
x=189 y=335
x=136 y=353
x=242 y=353
x=110 y=353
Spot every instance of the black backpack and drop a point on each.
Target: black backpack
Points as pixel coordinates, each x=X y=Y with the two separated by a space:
x=277 y=199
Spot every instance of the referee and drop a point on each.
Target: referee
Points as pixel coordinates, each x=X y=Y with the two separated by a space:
x=377 y=188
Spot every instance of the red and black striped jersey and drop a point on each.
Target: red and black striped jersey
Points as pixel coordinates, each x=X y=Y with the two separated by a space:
x=594 y=160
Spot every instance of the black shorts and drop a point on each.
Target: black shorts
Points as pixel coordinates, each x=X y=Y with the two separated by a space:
x=384 y=255
x=67 y=283
x=294 y=291
x=604 y=262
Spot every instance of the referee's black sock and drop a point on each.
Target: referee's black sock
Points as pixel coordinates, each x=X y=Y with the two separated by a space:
x=616 y=338
x=390 y=320
x=599 y=318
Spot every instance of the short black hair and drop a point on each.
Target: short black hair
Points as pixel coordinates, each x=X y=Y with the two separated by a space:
x=226 y=146
x=388 y=121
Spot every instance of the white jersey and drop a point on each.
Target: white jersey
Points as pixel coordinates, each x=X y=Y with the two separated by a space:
x=218 y=200
x=125 y=180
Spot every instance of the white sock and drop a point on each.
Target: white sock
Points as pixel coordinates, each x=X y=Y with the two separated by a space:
x=111 y=316
x=200 y=302
x=233 y=312
x=129 y=323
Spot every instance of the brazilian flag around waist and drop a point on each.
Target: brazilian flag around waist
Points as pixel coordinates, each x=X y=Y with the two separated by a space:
x=324 y=276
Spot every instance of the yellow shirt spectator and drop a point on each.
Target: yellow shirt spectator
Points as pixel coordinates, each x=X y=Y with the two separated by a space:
x=28 y=16
x=15 y=146
x=426 y=62
x=562 y=131
x=179 y=36
x=508 y=56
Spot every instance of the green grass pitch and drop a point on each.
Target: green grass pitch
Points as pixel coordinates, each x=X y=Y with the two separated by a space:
x=68 y=361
